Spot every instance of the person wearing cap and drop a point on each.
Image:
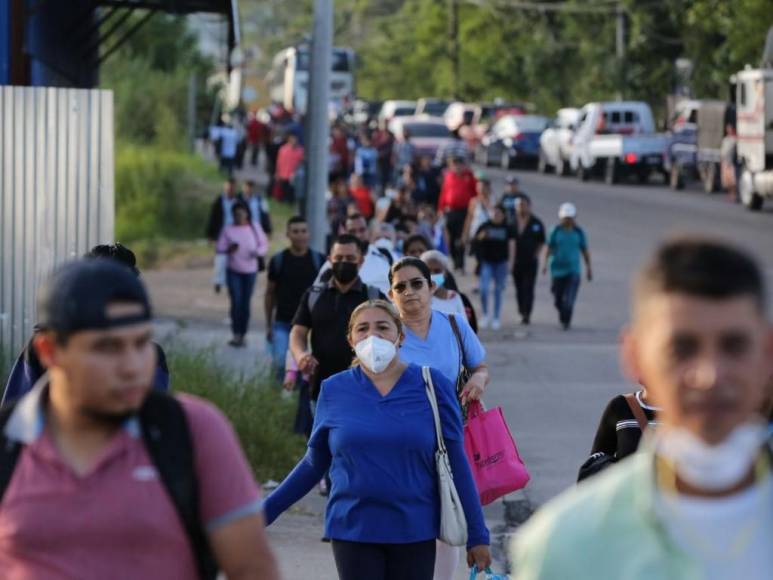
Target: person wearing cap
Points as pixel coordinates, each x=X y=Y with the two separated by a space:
x=696 y=499
x=510 y=197
x=85 y=492
x=459 y=188
x=243 y=242
x=529 y=233
x=566 y=243
x=27 y=369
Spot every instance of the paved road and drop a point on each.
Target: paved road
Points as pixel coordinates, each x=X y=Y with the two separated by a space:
x=553 y=385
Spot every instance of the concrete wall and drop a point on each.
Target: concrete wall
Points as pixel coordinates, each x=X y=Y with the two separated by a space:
x=56 y=191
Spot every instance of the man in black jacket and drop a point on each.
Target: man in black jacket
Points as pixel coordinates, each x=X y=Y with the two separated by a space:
x=220 y=214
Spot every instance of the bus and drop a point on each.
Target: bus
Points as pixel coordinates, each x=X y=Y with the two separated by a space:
x=288 y=80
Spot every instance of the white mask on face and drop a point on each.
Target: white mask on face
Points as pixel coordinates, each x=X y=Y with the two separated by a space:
x=375 y=353
x=712 y=467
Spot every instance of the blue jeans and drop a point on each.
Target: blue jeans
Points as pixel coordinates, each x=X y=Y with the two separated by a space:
x=240 y=289
x=279 y=345
x=565 y=290
x=498 y=272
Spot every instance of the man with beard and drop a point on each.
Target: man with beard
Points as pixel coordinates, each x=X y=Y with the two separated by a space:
x=696 y=499
x=102 y=477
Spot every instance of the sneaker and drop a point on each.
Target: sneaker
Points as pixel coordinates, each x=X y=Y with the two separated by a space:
x=483 y=322
x=525 y=320
x=496 y=325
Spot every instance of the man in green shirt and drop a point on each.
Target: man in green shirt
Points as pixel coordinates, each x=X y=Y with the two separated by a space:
x=696 y=501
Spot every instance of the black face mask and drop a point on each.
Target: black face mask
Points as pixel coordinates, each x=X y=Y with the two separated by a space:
x=345 y=272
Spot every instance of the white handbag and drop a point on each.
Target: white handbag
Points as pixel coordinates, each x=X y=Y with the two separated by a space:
x=453 y=523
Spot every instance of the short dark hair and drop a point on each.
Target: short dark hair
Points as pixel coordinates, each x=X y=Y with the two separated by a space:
x=296 y=219
x=410 y=262
x=116 y=252
x=231 y=180
x=355 y=216
x=345 y=239
x=525 y=198
x=250 y=182
x=239 y=205
x=701 y=266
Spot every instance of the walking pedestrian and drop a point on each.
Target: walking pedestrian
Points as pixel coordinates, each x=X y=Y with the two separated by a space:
x=445 y=343
x=529 y=233
x=220 y=214
x=366 y=161
x=509 y=199
x=362 y=196
x=404 y=154
x=383 y=513
x=459 y=187
x=620 y=430
x=260 y=210
x=257 y=136
x=324 y=311
x=288 y=161
x=566 y=243
x=227 y=138
x=443 y=299
x=104 y=477
x=479 y=211
x=243 y=243
x=290 y=273
x=695 y=500
x=416 y=245
x=28 y=369
x=496 y=251
x=427 y=180
x=384 y=142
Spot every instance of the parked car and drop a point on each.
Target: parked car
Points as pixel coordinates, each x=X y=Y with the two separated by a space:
x=392 y=108
x=617 y=139
x=432 y=107
x=483 y=117
x=555 y=144
x=428 y=134
x=693 y=150
x=513 y=138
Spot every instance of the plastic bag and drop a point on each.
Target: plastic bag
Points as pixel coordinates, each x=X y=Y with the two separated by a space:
x=488 y=574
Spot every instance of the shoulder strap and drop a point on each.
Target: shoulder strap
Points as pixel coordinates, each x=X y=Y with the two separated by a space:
x=459 y=342
x=430 y=387
x=387 y=256
x=314 y=293
x=167 y=437
x=9 y=450
x=641 y=418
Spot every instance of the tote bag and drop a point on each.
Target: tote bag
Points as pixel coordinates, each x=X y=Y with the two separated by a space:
x=490 y=448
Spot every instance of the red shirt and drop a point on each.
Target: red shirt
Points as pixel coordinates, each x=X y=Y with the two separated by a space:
x=363 y=200
x=288 y=160
x=457 y=191
x=256 y=131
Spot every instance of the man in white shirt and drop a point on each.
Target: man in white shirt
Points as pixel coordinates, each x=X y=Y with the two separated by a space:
x=375 y=270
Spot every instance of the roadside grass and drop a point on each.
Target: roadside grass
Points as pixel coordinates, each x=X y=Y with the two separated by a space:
x=262 y=419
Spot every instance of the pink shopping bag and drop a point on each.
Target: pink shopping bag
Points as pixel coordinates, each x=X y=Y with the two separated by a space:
x=490 y=448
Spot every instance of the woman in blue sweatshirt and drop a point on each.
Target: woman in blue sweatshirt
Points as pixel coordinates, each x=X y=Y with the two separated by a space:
x=375 y=431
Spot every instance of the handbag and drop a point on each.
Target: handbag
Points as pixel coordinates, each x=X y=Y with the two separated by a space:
x=453 y=523
x=496 y=465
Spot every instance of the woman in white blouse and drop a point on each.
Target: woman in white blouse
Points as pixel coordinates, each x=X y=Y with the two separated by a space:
x=443 y=300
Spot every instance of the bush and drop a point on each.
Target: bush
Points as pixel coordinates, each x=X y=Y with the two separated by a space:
x=262 y=418
x=161 y=193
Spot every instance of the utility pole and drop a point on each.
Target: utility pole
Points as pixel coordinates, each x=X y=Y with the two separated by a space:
x=620 y=50
x=453 y=45
x=317 y=119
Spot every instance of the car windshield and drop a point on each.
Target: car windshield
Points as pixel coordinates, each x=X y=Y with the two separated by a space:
x=435 y=108
x=427 y=129
x=404 y=111
x=531 y=124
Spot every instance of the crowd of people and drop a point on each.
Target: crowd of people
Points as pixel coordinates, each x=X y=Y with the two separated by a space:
x=383 y=348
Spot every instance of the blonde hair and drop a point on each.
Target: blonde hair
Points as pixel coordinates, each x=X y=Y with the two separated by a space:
x=384 y=305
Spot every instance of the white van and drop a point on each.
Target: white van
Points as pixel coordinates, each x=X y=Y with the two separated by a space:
x=754 y=119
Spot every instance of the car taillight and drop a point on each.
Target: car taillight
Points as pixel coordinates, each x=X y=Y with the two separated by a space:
x=631 y=158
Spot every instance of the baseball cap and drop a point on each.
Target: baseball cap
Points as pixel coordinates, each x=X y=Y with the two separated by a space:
x=511 y=180
x=75 y=297
x=567 y=210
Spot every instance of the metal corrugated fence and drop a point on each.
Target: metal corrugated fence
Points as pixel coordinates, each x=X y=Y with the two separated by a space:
x=56 y=191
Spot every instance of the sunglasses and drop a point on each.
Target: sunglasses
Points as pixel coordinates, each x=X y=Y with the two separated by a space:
x=415 y=284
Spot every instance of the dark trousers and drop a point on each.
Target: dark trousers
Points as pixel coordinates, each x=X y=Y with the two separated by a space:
x=360 y=561
x=455 y=224
x=525 y=279
x=240 y=288
x=254 y=153
x=565 y=294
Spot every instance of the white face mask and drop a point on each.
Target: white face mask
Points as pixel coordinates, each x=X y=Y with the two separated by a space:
x=712 y=467
x=375 y=353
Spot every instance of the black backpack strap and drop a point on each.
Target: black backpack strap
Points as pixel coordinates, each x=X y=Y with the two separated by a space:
x=9 y=450
x=167 y=437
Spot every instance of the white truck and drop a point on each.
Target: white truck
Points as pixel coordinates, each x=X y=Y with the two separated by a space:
x=555 y=143
x=616 y=139
x=754 y=120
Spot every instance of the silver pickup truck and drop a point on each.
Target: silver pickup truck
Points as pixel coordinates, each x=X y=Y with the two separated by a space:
x=616 y=139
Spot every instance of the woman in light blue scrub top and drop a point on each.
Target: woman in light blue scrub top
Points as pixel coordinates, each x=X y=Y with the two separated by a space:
x=430 y=341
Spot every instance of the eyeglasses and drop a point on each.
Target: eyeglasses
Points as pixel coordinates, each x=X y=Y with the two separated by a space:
x=416 y=284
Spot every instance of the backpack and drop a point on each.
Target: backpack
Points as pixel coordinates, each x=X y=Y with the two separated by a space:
x=317 y=289
x=317 y=260
x=167 y=438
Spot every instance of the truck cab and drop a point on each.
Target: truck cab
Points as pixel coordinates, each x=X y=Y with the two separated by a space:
x=754 y=118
